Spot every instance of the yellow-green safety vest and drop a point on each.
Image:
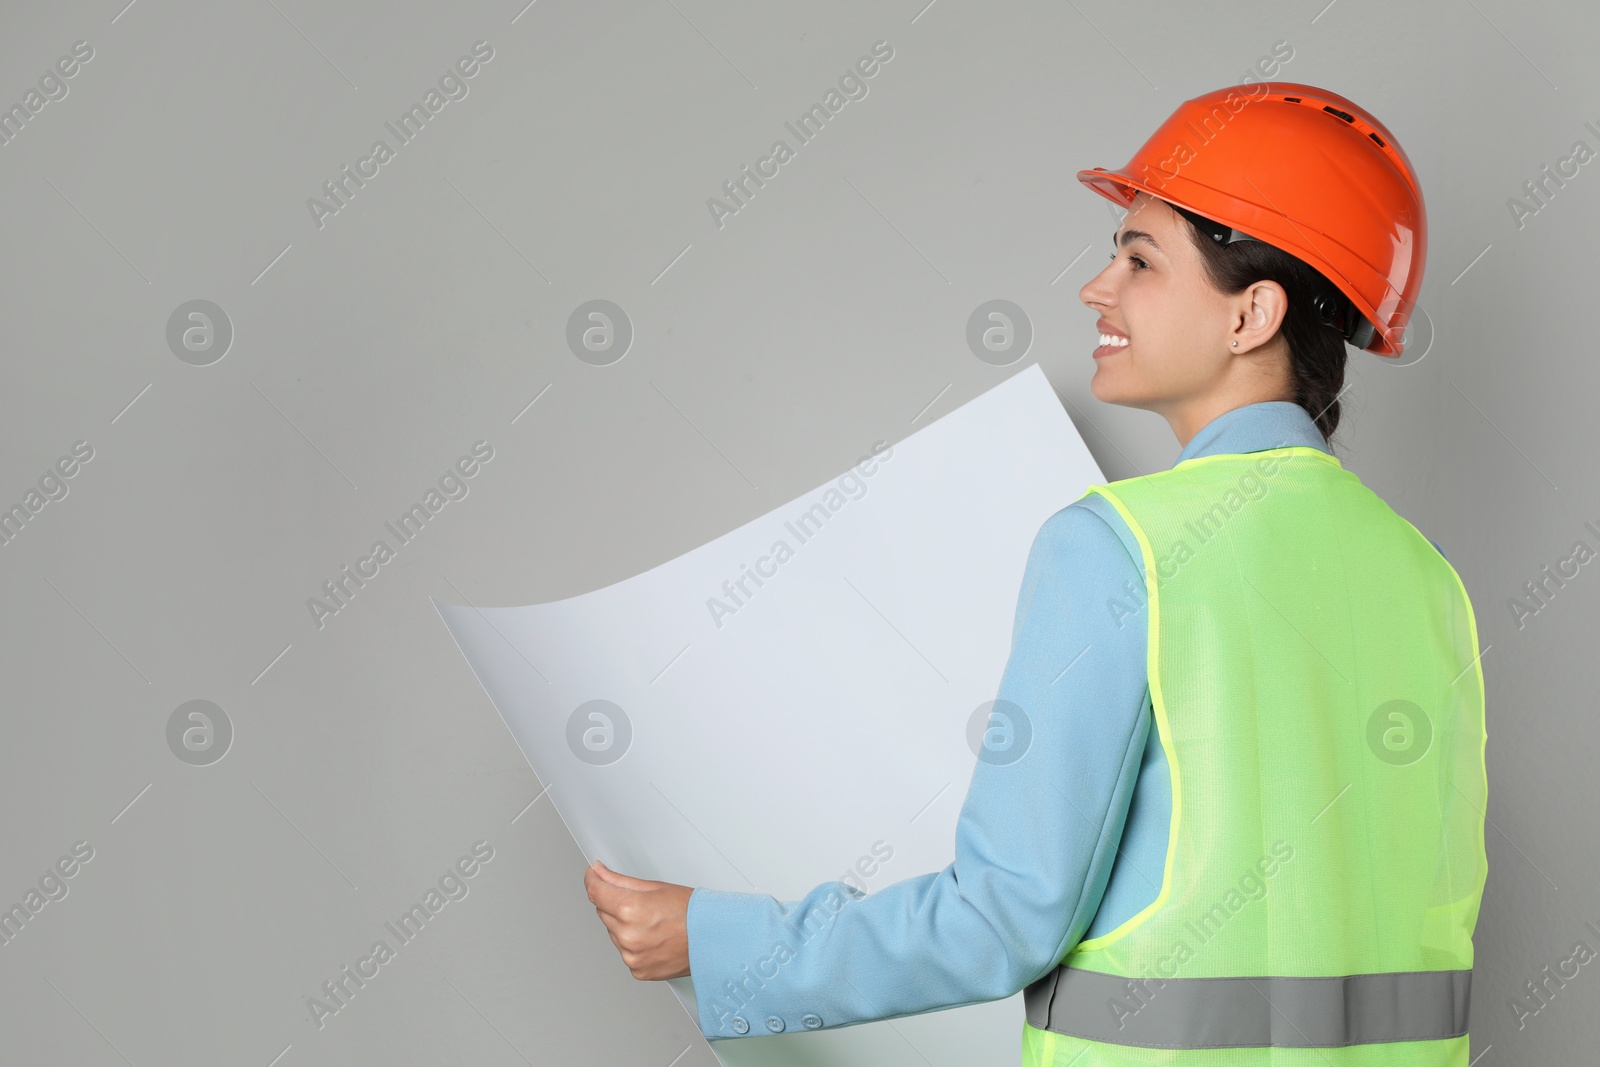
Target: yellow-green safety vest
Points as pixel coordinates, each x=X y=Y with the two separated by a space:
x=1314 y=673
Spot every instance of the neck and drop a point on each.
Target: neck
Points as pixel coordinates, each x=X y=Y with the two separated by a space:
x=1250 y=378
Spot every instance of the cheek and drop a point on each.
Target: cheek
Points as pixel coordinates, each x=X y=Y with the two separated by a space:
x=1163 y=314
x=1148 y=312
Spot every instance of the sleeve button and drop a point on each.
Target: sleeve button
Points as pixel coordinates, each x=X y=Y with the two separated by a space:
x=811 y=1022
x=740 y=1026
x=774 y=1024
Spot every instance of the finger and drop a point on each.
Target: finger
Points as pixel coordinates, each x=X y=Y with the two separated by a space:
x=607 y=900
x=613 y=929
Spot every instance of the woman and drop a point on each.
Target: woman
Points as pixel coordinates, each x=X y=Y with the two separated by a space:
x=1286 y=868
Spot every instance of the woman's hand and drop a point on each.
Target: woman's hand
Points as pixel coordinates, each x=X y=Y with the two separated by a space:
x=647 y=921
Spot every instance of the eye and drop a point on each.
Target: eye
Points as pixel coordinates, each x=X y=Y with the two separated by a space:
x=1142 y=265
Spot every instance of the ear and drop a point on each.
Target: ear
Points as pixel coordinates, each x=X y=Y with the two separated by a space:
x=1257 y=313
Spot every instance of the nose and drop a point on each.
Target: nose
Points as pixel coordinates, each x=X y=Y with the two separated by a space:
x=1097 y=292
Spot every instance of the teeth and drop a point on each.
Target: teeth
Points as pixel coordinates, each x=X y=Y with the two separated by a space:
x=1110 y=339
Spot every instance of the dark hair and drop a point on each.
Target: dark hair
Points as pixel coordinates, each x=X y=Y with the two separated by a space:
x=1317 y=353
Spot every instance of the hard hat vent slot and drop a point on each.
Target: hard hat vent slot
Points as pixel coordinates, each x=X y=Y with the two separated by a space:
x=1375 y=137
x=1340 y=114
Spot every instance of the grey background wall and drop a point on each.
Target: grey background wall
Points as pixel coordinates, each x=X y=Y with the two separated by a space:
x=346 y=361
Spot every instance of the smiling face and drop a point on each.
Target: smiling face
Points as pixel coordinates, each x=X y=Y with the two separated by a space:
x=1173 y=333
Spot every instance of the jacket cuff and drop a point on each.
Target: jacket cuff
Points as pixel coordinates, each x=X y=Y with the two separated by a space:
x=729 y=934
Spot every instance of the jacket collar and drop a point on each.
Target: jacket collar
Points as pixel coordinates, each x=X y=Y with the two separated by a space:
x=1254 y=428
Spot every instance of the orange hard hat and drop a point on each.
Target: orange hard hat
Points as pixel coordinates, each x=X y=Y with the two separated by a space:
x=1304 y=170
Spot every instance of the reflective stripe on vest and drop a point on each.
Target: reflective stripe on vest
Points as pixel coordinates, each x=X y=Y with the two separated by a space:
x=1315 y=682
x=1249 y=1012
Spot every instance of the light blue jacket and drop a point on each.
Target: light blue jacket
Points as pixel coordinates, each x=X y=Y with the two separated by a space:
x=1062 y=845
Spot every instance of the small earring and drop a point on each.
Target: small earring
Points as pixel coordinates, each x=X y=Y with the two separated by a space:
x=1236 y=344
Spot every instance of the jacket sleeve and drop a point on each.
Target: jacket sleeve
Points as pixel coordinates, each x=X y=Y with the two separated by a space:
x=1034 y=841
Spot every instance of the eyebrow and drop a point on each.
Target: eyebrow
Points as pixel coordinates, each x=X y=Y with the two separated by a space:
x=1129 y=236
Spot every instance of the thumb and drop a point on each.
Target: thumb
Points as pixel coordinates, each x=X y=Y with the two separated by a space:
x=617 y=878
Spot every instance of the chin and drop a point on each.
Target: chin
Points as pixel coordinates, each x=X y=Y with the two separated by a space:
x=1104 y=388
x=1100 y=387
